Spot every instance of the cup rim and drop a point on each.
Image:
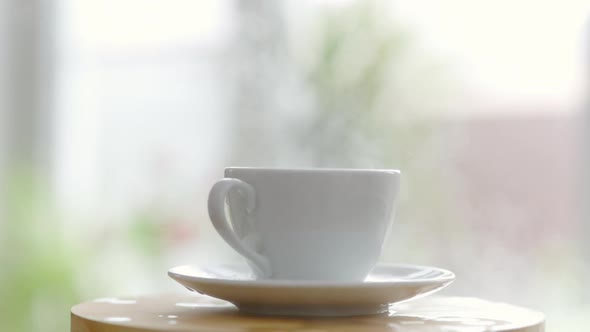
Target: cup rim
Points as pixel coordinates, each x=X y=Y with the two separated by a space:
x=310 y=170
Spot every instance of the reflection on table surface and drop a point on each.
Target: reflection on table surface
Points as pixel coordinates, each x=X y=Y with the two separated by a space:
x=172 y=312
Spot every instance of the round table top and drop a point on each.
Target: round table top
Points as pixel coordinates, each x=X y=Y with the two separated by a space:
x=188 y=312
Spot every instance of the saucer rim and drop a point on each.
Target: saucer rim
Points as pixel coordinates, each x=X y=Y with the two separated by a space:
x=446 y=277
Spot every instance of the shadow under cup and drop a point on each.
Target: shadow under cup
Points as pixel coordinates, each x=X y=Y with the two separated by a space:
x=310 y=224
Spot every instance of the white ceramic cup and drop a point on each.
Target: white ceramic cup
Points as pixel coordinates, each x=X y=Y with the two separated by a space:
x=305 y=224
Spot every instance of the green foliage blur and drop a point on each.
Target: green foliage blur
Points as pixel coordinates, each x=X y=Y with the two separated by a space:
x=45 y=271
x=37 y=282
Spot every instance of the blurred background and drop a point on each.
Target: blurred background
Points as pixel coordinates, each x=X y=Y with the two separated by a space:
x=116 y=117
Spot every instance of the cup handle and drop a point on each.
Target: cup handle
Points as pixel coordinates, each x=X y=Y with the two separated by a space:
x=216 y=205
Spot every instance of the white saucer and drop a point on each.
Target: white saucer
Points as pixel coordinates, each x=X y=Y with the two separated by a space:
x=387 y=284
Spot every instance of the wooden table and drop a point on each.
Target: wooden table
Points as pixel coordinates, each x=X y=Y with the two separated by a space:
x=196 y=313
